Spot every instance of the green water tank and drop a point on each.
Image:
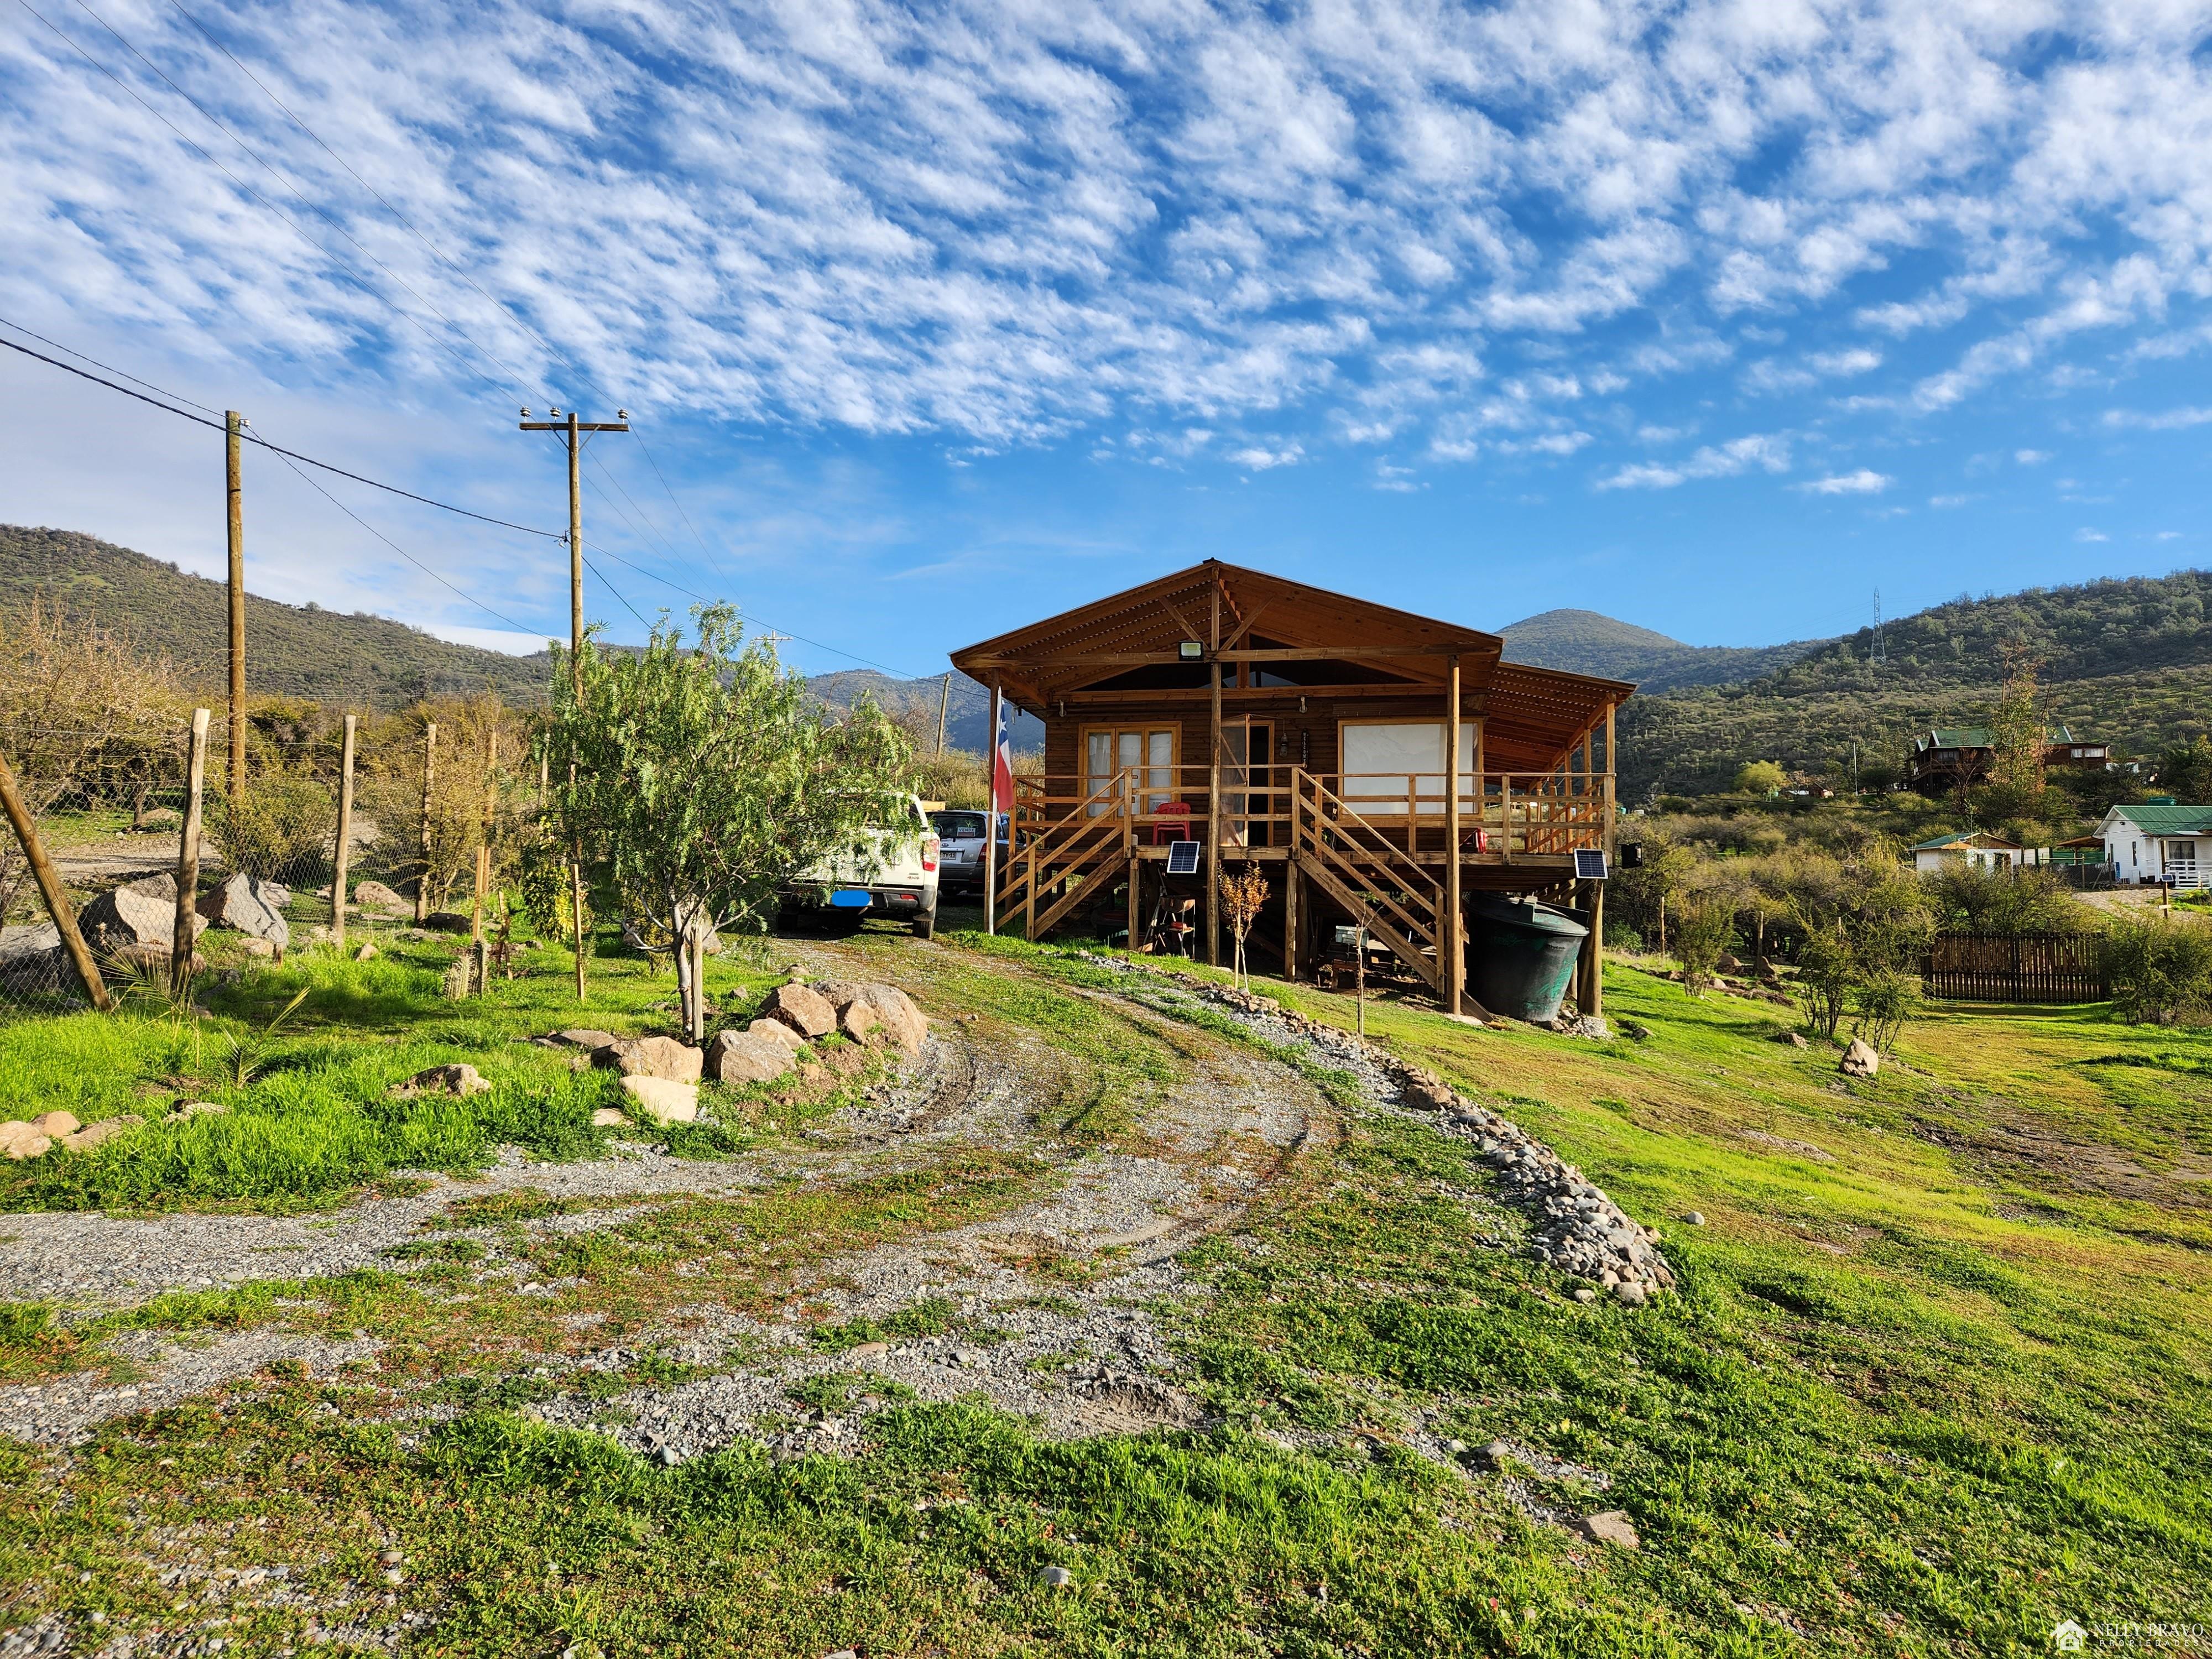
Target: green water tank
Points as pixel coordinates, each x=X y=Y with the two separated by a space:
x=1521 y=955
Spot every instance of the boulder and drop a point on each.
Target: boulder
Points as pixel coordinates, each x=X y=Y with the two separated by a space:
x=583 y=1036
x=251 y=906
x=117 y=921
x=454 y=1079
x=1630 y=1293
x=32 y=959
x=376 y=895
x=662 y=1099
x=55 y=1124
x=776 y=1031
x=607 y=1118
x=743 y=1057
x=804 y=1009
x=1610 y=1527
x=1792 y=1039
x=20 y=1140
x=652 y=1056
x=367 y=954
x=160 y=818
x=1860 y=1059
x=93 y=1134
x=858 y=1020
x=185 y=1109
x=259 y=947
x=447 y=922
x=903 y=1024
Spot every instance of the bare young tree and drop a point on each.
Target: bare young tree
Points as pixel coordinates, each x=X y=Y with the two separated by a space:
x=1242 y=894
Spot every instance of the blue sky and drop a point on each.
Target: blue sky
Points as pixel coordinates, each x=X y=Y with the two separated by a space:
x=936 y=318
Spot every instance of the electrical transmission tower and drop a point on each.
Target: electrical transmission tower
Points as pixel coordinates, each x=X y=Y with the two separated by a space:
x=1881 y=652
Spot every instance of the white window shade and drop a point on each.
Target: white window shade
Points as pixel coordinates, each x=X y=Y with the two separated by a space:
x=1383 y=764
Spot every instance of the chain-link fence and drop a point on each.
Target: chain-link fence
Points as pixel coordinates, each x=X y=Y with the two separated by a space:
x=442 y=827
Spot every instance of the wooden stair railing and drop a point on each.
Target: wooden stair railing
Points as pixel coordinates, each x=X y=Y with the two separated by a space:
x=1359 y=867
x=1093 y=844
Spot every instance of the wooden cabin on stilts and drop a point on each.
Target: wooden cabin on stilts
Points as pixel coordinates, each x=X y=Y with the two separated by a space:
x=1383 y=768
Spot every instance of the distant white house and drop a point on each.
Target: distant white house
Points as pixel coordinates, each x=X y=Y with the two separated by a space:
x=1984 y=851
x=2158 y=843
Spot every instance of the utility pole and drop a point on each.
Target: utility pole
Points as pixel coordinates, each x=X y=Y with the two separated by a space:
x=232 y=422
x=944 y=704
x=573 y=430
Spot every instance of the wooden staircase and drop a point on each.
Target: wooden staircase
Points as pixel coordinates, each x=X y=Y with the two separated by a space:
x=1363 y=869
x=1084 y=850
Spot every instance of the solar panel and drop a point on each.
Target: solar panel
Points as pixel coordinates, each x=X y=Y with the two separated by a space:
x=1183 y=856
x=1590 y=863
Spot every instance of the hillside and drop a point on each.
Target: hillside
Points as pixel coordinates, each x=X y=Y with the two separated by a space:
x=2128 y=661
x=1588 y=643
x=968 y=716
x=329 y=657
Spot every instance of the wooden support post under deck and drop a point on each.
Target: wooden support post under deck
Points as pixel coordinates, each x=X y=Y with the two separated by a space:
x=1291 y=904
x=1593 y=964
x=1130 y=849
x=991 y=815
x=1213 y=795
x=1447 y=936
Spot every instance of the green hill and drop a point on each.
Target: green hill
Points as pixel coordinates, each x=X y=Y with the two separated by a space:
x=2127 y=662
x=329 y=657
x=1587 y=642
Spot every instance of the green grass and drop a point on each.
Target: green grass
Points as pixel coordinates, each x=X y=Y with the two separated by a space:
x=1926 y=1394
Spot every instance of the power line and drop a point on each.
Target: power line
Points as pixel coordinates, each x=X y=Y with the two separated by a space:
x=616 y=592
x=186 y=415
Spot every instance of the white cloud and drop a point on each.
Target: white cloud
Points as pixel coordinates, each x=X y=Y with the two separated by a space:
x=1864 y=482
x=2085 y=534
x=2165 y=419
x=1948 y=501
x=1770 y=452
x=1257 y=457
x=2030 y=457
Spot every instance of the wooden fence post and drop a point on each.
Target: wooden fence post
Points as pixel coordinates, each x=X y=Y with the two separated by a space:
x=183 y=936
x=429 y=781
x=51 y=890
x=345 y=854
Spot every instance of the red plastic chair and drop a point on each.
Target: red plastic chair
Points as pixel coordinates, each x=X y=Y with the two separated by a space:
x=1167 y=832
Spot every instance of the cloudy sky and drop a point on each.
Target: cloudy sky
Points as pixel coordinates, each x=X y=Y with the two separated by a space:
x=935 y=318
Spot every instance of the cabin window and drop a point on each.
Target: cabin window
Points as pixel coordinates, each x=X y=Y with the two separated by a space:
x=1387 y=762
x=2182 y=849
x=1148 y=752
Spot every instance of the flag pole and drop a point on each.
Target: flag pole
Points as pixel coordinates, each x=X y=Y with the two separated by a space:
x=991 y=816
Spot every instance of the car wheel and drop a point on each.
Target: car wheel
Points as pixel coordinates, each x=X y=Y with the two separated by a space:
x=925 y=924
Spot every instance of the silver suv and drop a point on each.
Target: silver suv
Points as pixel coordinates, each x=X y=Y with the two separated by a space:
x=960 y=831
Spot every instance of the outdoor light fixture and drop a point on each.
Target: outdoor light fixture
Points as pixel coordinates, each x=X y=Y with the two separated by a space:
x=1190 y=651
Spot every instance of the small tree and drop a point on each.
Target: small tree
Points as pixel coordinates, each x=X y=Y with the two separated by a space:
x=1242 y=895
x=1826 y=973
x=706 y=777
x=1884 y=1000
x=1703 y=929
x=1760 y=778
x=2018 y=732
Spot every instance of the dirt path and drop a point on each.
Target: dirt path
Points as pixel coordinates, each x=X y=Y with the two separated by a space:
x=1074 y=1347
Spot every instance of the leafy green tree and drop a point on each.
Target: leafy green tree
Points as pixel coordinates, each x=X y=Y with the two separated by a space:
x=2185 y=771
x=1703 y=929
x=706 y=777
x=2161 y=971
x=1760 y=778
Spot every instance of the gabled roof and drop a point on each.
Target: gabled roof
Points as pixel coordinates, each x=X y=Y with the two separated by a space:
x=1531 y=715
x=2166 y=820
x=1979 y=737
x=1967 y=838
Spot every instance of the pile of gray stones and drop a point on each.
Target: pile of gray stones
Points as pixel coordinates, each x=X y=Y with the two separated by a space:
x=1576 y=1227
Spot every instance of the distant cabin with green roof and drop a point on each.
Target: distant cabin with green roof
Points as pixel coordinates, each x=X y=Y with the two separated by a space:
x=2157 y=844
x=1973 y=847
x=1944 y=755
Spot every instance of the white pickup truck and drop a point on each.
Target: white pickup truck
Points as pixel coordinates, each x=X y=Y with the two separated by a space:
x=892 y=874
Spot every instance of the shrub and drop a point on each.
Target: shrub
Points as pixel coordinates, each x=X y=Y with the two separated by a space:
x=1760 y=778
x=1884 y=1000
x=1703 y=929
x=283 y=822
x=2160 y=972
x=1826 y=972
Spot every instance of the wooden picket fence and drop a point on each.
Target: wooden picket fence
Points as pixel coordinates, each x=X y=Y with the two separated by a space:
x=2015 y=968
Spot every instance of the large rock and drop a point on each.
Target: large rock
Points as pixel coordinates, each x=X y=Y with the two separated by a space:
x=55 y=1124
x=662 y=1099
x=32 y=959
x=583 y=1037
x=776 y=1031
x=453 y=1080
x=376 y=895
x=652 y=1056
x=251 y=906
x=93 y=1134
x=875 y=1013
x=858 y=1020
x=806 y=1010
x=20 y=1140
x=743 y=1057
x=131 y=916
x=1860 y=1059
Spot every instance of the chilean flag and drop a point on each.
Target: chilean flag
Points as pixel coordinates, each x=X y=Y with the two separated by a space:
x=1002 y=763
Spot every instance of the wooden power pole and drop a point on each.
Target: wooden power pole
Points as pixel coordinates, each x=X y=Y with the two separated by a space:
x=572 y=430
x=944 y=707
x=52 y=891
x=232 y=422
